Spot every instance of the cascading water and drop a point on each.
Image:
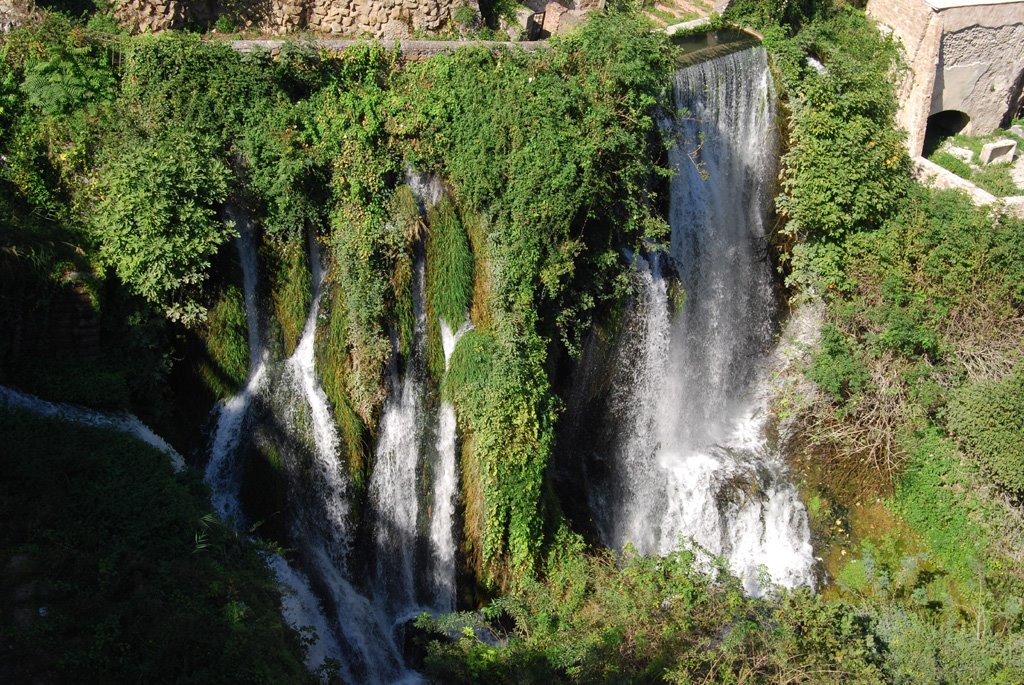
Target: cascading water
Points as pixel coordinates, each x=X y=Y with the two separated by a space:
x=303 y=390
x=446 y=484
x=360 y=637
x=682 y=453
x=222 y=471
x=123 y=423
x=394 y=491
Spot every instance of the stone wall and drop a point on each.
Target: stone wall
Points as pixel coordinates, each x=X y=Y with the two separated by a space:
x=965 y=56
x=376 y=18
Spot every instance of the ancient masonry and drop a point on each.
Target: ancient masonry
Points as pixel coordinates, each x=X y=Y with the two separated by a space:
x=378 y=18
x=965 y=58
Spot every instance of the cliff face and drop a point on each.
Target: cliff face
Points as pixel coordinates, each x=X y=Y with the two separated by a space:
x=380 y=18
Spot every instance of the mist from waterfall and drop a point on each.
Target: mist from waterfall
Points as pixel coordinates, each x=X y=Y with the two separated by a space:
x=683 y=454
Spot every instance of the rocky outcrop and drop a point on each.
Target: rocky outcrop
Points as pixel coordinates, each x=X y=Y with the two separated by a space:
x=12 y=13
x=377 y=18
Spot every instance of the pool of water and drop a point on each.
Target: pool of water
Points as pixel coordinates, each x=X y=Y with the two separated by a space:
x=697 y=47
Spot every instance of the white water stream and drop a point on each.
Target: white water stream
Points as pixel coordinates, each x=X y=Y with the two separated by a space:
x=446 y=487
x=687 y=457
x=222 y=471
x=123 y=423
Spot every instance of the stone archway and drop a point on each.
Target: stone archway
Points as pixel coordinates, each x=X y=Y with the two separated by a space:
x=942 y=125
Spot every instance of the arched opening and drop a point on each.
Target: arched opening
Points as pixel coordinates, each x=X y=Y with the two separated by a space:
x=943 y=125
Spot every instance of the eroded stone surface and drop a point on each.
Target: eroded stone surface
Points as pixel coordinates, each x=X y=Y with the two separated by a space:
x=12 y=13
x=963 y=56
x=372 y=18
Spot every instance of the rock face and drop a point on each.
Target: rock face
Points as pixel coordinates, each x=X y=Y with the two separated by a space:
x=12 y=13
x=377 y=18
x=965 y=56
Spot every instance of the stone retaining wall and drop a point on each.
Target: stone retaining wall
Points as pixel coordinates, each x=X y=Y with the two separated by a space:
x=965 y=56
x=376 y=18
x=931 y=174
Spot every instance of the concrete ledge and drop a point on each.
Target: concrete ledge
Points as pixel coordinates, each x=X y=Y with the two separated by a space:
x=687 y=25
x=931 y=174
x=413 y=49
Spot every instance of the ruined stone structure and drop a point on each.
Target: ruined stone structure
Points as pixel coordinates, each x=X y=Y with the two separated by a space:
x=966 y=63
x=377 y=18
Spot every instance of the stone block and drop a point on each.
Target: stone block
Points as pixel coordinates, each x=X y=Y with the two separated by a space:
x=998 y=151
x=1017 y=130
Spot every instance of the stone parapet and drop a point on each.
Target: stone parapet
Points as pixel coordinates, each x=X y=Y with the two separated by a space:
x=931 y=174
x=410 y=49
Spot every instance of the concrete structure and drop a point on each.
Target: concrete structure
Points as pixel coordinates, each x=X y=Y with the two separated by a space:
x=998 y=151
x=966 y=63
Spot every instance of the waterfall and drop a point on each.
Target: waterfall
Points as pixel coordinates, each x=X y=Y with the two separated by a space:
x=394 y=483
x=363 y=641
x=446 y=485
x=682 y=453
x=123 y=423
x=303 y=390
x=222 y=471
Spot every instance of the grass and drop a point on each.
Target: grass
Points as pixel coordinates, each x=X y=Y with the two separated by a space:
x=227 y=343
x=995 y=178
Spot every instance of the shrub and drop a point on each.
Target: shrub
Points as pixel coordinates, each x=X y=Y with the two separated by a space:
x=988 y=417
x=835 y=368
x=156 y=220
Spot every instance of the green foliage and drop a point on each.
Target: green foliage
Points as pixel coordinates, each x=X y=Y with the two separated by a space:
x=137 y=580
x=764 y=14
x=291 y=289
x=916 y=305
x=405 y=211
x=157 y=221
x=227 y=343
x=600 y=619
x=71 y=77
x=450 y=265
x=927 y=496
x=846 y=168
x=347 y=128
x=835 y=368
x=553 y=152
x=988 y=416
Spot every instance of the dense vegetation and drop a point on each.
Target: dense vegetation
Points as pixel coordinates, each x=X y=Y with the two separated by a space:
x=114 y=571
x=119 y=157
